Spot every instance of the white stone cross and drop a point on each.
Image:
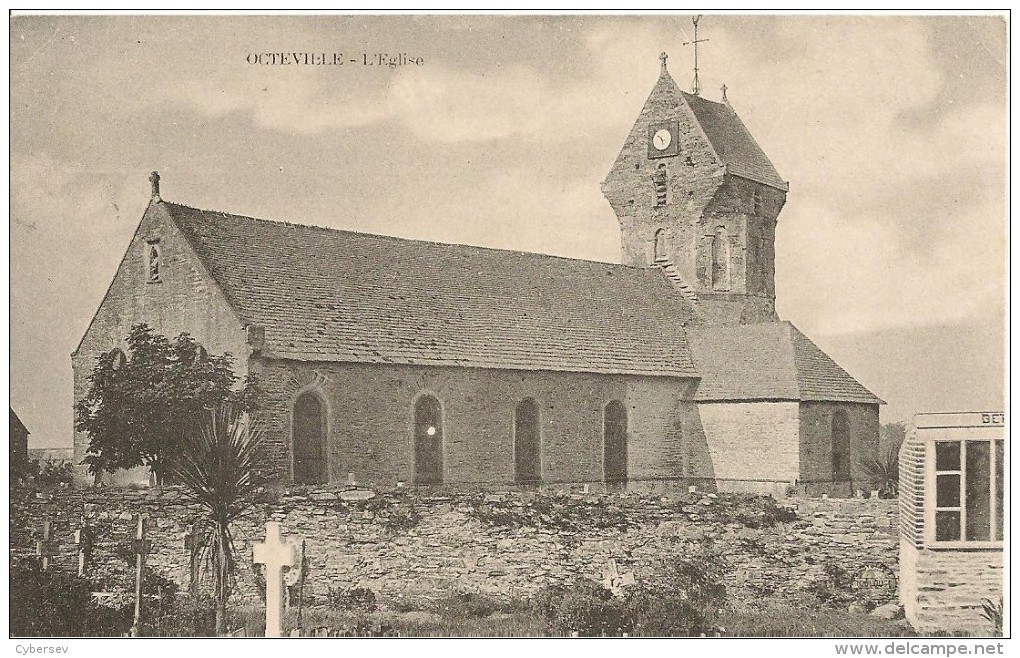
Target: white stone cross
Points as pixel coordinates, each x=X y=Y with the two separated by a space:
x=277 y=555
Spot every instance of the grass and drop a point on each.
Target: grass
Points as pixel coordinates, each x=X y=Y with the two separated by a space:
x=774 y=621
x=786 y=621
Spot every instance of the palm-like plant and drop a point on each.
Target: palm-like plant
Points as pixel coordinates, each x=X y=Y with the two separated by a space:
x=218 y=464
x=883 y=471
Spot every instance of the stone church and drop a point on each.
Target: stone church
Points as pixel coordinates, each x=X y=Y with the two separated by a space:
x=387 y=361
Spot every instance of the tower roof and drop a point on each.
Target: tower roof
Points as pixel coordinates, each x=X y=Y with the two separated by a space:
x=732 y=142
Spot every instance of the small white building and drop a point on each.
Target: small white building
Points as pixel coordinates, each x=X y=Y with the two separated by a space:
x=951 y=520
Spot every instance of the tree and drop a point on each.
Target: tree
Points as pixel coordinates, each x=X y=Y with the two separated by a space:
x=219 y=467
x=139 y=405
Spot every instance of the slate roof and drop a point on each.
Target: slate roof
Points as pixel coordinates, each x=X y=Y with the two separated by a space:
x=769 y=361
x=733 y=143
x=16 y=424
x=330 y=295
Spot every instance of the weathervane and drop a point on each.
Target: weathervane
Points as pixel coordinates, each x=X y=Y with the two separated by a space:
x=696 y=87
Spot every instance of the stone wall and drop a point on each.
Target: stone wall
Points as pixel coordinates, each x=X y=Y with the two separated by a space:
x=186 y=299
x=409 y=545
x=816 y=444
x=752 y=446
x=943 y=590
x=370 y=420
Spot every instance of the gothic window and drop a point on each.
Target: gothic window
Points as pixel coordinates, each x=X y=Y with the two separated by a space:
x=614 y=436
x=201 y=354
x=117 y=359
x=309 y=439
x=428 y=441
x=720 y=260
x=840 y=446
x=660 y=244
x=153 y=261
x=527 y=443
x=661 y=185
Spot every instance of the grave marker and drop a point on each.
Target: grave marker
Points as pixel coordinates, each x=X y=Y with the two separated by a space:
x=141 y=547
x=83 y=540
x=276 y=555
x=44 y=547
x=194 y=541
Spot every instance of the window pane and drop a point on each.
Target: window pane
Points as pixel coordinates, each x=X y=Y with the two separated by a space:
x=947 y=526
x=947 y=491
x=998 y=490
x=947 y=456
x=979 y=492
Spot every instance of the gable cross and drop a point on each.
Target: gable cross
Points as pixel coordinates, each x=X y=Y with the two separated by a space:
x=276 y=555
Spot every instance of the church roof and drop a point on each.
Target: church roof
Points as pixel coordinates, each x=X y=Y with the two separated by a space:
x=330 y=295
x=732 y=142
x=16 y=424
x=769 y=361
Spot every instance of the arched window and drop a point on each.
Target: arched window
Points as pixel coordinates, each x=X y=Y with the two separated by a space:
x=201 y=355
x=309 y=439
x=720 y=260
x=660 y=245
x=428 y=441
x=840 y=446
x=527 y=443
x=117 y=359
x=153 y=261
x=614 y=436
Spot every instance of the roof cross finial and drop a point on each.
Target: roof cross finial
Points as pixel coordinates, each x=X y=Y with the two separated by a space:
x=154 y=181
x=696 y=87
x=724 y=88
x=662 y=58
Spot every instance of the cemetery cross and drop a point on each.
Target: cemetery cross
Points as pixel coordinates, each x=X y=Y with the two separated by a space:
x=276 y=555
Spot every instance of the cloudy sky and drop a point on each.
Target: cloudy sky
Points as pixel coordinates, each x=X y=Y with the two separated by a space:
x=890 y=251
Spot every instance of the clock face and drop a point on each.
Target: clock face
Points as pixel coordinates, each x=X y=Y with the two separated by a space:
x=662 y=139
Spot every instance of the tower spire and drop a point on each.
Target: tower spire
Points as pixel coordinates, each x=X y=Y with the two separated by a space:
x=696 y=86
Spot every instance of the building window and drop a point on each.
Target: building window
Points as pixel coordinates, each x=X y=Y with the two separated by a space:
x=309 y=439
x=153 y=261
x=758 y=201
x=428 y=441
x=661 y=185
x=660 y=245
x=720 y=260
x=840 y=446
x=614 y=437
x=968 y=491
x=201 y=355
x=117 y=359
x=527 y=443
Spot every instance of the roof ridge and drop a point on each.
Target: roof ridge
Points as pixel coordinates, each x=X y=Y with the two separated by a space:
x=330 y=229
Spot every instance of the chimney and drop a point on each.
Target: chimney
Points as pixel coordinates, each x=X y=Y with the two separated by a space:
x=154 y=180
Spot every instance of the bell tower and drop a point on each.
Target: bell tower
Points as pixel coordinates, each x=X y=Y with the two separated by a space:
x=697 y=197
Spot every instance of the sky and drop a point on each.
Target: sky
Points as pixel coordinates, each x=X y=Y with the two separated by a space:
x=891 y=250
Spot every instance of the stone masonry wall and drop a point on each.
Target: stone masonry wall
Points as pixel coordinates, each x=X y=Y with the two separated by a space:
x=816 y=442
x=186 y=299
x=942 y=590
x=408 y=545
x=370 y=420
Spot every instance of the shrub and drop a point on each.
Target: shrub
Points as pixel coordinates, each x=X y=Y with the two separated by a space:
x=682 y=598
x=54 y=604
x=360 y=599
x=184 y=616
x=882 y=472
x=467 y=605
x=584 y=607
x=993 y=613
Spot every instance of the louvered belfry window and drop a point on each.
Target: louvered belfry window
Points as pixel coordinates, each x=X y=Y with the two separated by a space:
x=661 y=186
